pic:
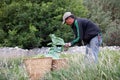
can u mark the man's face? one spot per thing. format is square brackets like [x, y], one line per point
[69, 21]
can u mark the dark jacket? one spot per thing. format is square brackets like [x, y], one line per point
[84, 30]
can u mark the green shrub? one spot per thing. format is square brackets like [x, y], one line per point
[97, 14]
[46, 16]
[113, 6]
[106, 14]
[112, 35]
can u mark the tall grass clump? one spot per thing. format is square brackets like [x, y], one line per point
[108, 68]
[12, 69]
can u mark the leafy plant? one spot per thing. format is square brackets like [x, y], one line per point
[54, 50]
[56, 40]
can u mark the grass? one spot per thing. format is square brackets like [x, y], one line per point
[12, 69]
[108, 68]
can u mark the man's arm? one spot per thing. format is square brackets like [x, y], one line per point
[78, 34]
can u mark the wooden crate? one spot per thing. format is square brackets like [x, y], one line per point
[38, 67]
[58, 64]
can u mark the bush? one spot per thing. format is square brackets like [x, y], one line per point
[112, 35]
[46, 16]
[97, 14]
[106, 14]
[113, 6]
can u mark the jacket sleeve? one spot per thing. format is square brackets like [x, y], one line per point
[78, 34]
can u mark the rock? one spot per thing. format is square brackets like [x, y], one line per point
[18, 52]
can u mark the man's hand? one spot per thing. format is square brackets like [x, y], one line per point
[67, 45]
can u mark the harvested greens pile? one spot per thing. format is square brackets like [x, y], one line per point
[57, 46]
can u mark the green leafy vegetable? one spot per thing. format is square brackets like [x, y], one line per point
[54, 50]
[56, 40]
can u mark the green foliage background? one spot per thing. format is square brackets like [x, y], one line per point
[28, 23]
[106, 14]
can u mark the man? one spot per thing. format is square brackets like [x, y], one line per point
[86, 33]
